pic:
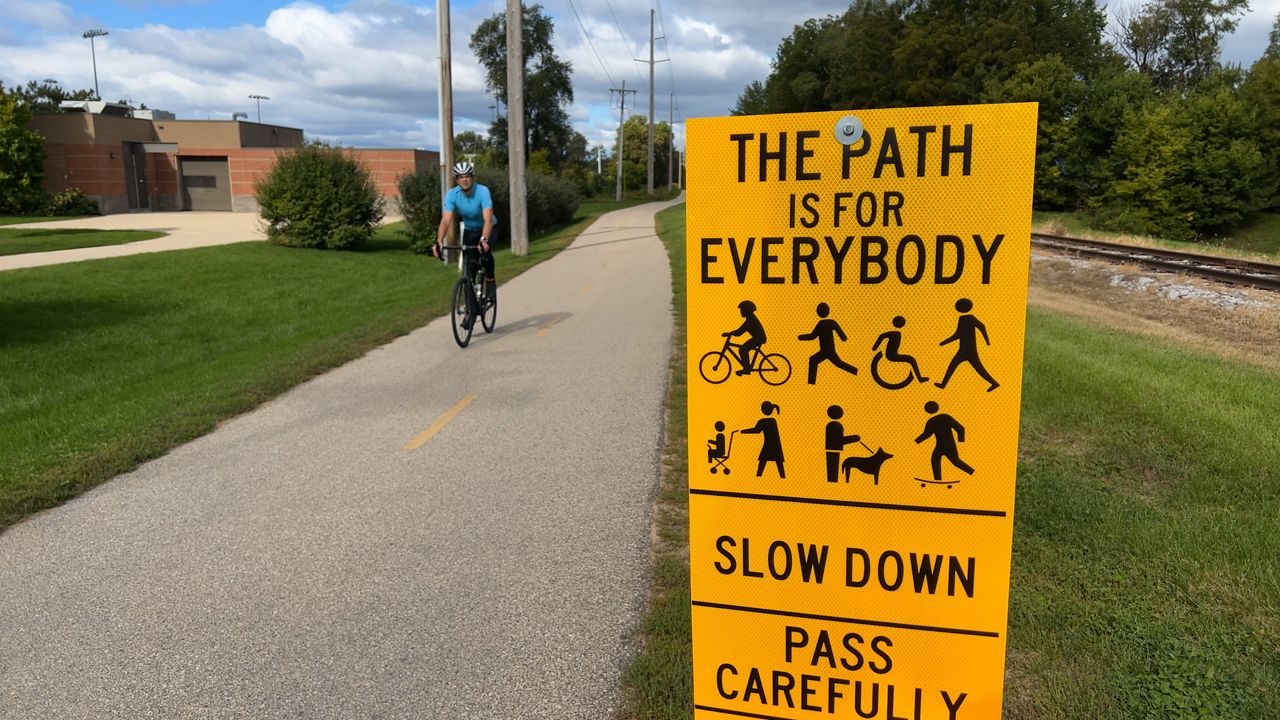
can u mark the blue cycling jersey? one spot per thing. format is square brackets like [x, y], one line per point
[470, 208]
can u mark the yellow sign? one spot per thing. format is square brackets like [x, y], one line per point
[857, 289]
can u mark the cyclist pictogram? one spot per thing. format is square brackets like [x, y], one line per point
[716, 366]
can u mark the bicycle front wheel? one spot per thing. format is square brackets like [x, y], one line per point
[774, 369]
[461, 315]
[489, 315]
[714, 367]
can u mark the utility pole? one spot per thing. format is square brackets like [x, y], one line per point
[651, 65]
[445, 96]
[671, 136]
[622, 105]
[515, 127]
[258, 99]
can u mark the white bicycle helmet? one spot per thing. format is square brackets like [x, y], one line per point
[463, 168]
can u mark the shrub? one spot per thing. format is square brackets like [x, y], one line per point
[319, 197]
[71, 202]
[420, 205]
[551, 202]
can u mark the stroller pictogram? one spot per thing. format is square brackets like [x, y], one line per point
[718, 451]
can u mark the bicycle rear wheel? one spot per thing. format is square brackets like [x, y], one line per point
[489, 307]
[714, 367]
[460, 317]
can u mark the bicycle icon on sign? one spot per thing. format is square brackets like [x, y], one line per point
[716, 366]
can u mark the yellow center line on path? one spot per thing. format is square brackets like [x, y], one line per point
[439, 424]
[543, 330]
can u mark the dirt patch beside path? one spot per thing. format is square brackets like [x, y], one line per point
[1233, 322]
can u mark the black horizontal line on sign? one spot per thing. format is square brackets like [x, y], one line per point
[850, 503]
[850, 621]
[739, 713]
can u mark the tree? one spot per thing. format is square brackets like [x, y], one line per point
[752, 101]
[1177, 42]
[548, 85]
[45, 96]
[635, 147]
[891, 53]
[21, 157]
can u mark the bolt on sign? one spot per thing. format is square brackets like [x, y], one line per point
[857, 288]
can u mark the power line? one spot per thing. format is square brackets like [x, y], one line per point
[623, 35]
[587, 36]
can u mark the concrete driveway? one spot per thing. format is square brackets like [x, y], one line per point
[184, 230]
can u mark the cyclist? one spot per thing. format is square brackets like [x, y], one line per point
[754, 331]
[473, 203]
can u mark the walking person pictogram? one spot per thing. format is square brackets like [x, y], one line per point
[771, 448]
[892, 341]
[966, 339]
[946, 432]
[825, 332]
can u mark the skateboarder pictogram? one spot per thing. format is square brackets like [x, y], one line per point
[966, 338]
[946, 432]
[825, 332]
[892, 341]
[835, 440]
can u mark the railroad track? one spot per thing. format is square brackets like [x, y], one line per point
[1229, 270]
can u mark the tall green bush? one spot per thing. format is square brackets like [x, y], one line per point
[420, 205]
[319, 197]
[21, 158]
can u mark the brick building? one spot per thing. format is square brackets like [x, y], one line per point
[130, 163]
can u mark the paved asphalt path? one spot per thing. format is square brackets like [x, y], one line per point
[301, 562]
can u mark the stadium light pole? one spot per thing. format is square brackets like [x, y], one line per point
[91, 34]
[258, 99]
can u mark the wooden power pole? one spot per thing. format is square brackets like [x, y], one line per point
[515, 128]
[622, 106]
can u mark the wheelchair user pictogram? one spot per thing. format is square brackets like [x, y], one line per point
[891, 340]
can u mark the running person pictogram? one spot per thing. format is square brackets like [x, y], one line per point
[825, 332]
[966, 339]
[946, 432]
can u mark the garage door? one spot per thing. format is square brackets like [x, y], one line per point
[206, 184]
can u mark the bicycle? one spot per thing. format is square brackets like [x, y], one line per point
[716, 366]
[470, 300]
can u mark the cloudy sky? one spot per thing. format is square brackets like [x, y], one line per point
[365, 73]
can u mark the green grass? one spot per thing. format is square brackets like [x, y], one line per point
[14, 241]
[658, 684]
[20, 219]
[108, 363]
[1260, 237]
[1146, 565]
